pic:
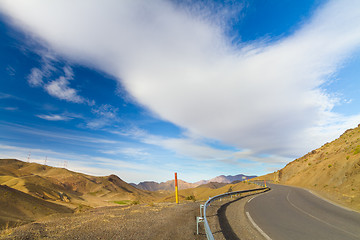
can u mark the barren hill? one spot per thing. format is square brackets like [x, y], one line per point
[60, 184]
[46, 190]
[332, 170]
[18, 207]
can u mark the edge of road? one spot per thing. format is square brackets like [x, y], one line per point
[257, 227]
[249, 218]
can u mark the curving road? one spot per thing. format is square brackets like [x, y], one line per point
[290, 213]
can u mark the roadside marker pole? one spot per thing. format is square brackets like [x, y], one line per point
[176, 189]
[264, 183]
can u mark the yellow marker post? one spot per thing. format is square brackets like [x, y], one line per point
[264, 183]
[176, 189]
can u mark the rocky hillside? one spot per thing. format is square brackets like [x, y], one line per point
[332, 170]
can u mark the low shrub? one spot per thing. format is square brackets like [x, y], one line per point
[191, 197]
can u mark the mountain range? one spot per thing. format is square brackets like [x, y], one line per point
[170, 185]
[29, 191]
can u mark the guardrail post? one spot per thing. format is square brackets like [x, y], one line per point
[198, 220]
[201, 210]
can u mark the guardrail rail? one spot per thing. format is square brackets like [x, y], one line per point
[203, 207]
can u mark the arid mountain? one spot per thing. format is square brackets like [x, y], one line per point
[29, 191]
[164, 186]
[170, 185]
[213, 185]
[18, 207]
[332, 170]
[229, 178]
[204, 192]
[59, 184]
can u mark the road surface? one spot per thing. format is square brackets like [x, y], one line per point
[290, 213]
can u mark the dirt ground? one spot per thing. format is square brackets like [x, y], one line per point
[155, 221]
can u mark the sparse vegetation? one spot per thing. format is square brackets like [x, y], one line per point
[7, 229]
[357, 150]
[123, 202]
[191, 197]
[347, 157]
[127, 202]
[82, 208]
[230, 189]
[330, 165]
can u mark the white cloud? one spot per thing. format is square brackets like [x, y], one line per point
[134, 153]
[54, 117]
[106, 111]
[6, 96]
[192, 147]
[106, 115]
[75, 137]
[35, 78]
[60, 88]
[188, 148]
[11, 108]
[263, 97]
[98, 166]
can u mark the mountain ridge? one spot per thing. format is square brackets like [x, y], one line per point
[170, 184]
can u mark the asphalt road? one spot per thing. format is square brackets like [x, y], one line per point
[289, 213]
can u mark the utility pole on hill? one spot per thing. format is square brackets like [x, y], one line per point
[28, 158]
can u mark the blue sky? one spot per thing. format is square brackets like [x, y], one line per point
[202, 88]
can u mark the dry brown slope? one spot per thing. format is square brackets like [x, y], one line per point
[332, 170]
[17, 207]
[203, 192]
[57, 184]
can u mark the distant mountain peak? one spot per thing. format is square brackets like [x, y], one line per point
[169, 185]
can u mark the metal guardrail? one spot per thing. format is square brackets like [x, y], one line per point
[203, 219]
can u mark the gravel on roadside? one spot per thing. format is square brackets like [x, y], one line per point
[154, 221]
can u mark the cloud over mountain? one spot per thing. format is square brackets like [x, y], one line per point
[179, 64]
